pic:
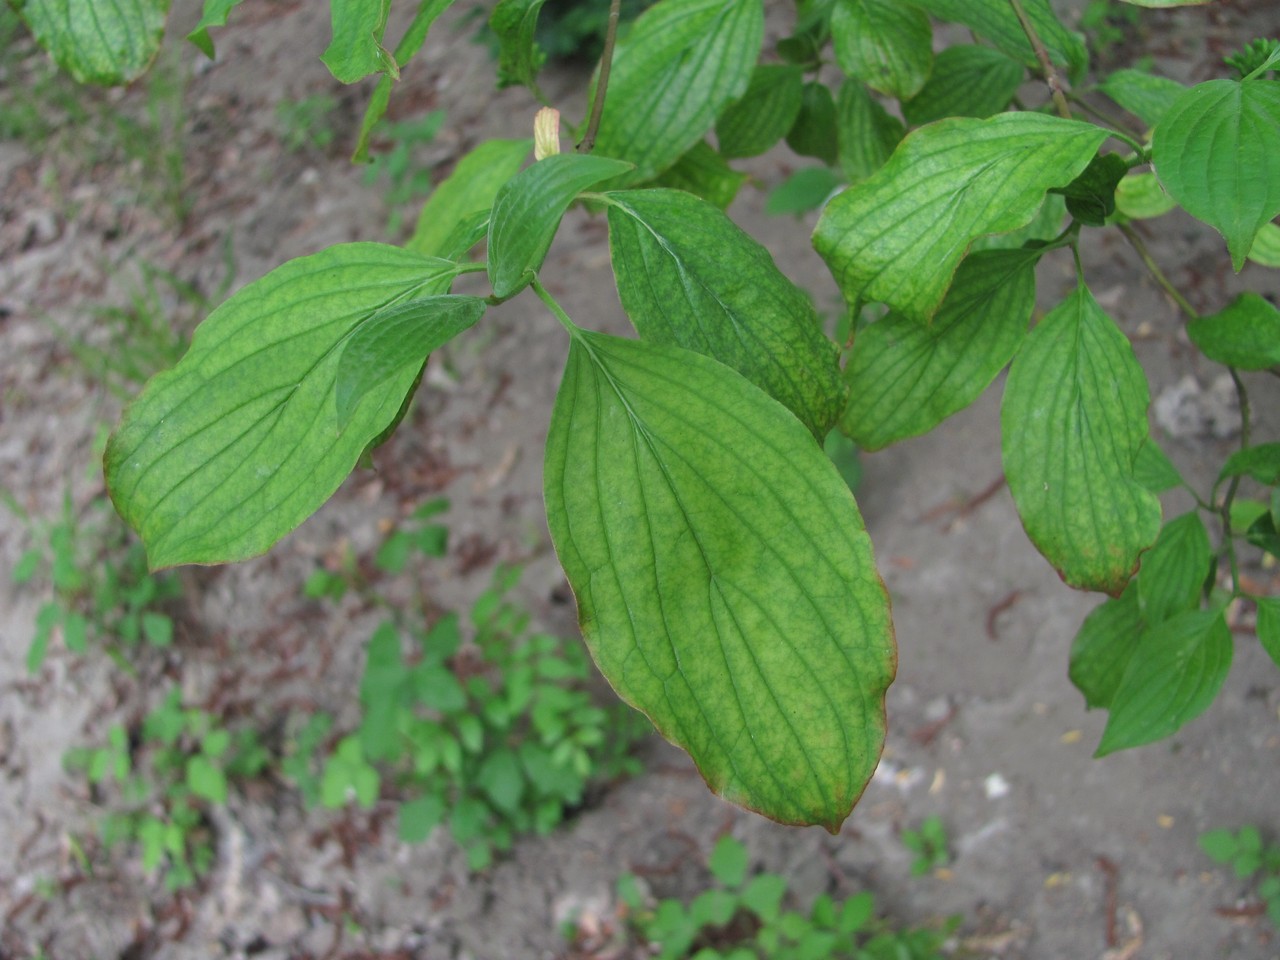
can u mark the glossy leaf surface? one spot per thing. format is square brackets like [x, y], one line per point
[1103, 646]
[966, 81]
[224, 454]
[1073, 419]
[1175, 569]
[1217, 152]
[907, 377]
[724, 579]
[527, 212]
[1175, 672]
[688, 276]
[106, 42]
[886, 44]
[678, 66]
[898, 236]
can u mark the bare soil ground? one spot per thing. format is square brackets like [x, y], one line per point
[1055, 855]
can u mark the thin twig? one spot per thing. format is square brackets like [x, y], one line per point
[1140, 247]
[602, 84]
[1046, 65]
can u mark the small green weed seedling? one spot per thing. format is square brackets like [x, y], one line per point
[742, 918]
[1249, 856]
[101, 589]
[929, 844]
[307, 124]
[493, 738]
[181, 764]
[407, 178]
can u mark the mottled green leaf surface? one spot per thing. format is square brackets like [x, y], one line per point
[724, 579]
[1103, 646]
[704, 173]
[1174, 571]
[395, 338]
[814, 132]
[866, 133]
[224, 454]
[751, 125]
[1217, 151]
[886, 44]
[1073, 419]
[105, 42]
[906, 377]
[966, 81]
[898, 236]
[1245, 334]
[470, 189]
[687, 275]
[679, 65]
[1173, 675]
[527, 212]
[995, 20]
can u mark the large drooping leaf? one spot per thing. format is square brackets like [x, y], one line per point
[1175, 569]
[1217, 152]
[356, 49]
[996, 20]
[886, 44]
[469, 190]
[898, 236]
[1244, 334]
[752, 124]
[866, 133]
[527, 212]
[687, 275]
[395, 338]
[414, 37]
[725, 581]
[680, 63]
[1173, 675]
[1101, 649]
[221, 456]
[906, 377]
[514, 23]
[1147, 96]
[214, 14]
[106, 42]
[1073, 420]
[966, 81]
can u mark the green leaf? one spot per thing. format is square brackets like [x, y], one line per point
[501, 778]
[886, 44]
[705, 174]
[1091, 197]
[397, 340]
[1266, 246]
[527, 212]
[906, 377]
[1220, 845]
[514, 23]
[1140, 197]
[1073, 420]
[206, 780]
[725, 582]
[469, 190]
[688, 276]
[678, 66]
[763, 896]
[1263, 534]
[1246, 334]
[1269, 626]
[995, 20]
[1145, 95]
[1165, 4]
[1173, 571]
[806, 189]
[898, 236]
[749, 126]
[966, 81]
[1172, 677]
[814, 132]
[108, 42]
[1043, 227]
[711, 908]
[414, 37]
[1217, 152]
[157, 628]
[1103, 646]
[1154, 470]
[419, 817]
[224, 454]
[1262, 462]
[215, 14]
[356, 49]
[728, 861]
[866, 132]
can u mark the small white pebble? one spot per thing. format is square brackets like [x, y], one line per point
[996, 786]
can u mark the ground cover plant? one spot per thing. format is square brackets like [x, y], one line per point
[725, 582]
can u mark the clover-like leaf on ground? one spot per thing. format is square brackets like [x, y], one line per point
[724, 578]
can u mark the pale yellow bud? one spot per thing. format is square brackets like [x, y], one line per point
[546, 133]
